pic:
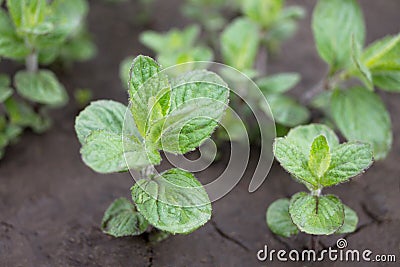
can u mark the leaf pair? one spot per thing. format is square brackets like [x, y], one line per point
[313, 155]
[317, 215]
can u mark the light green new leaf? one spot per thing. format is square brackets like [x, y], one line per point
[198, 102]
[263, 12]
[303, 136]
[334, 23]
[350, 221]
[279, 220]
[42, 87]
[314, 215]
[348, 160]
[149, 92]
[293, 160]
[122, 219]
[361, 116]
[239, 44]
[278, 83]
[320, 156]
[383, 59]
[287, 111]
[364, 73]
[100, 115]
[173, 201]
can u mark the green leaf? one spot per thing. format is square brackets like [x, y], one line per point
[5, 92]
[293, 160]
[364, 73]
[383, 59]
[149, 92]
[361, 116]
[348, 160]
[122, 219]
[100, 115]
[320, 156]
[278, 83]
[316, 215]
[11, 46]
[239, 44]
[198, 102]
[42, 87]
[5, 80]
[173, 201]
[79, 48]
[279, 220]
[69, 14]
[350, 221]
[334, 23]
[287, 111]
[197, 53]
[264, 12]
[304, 136]
[21, 114]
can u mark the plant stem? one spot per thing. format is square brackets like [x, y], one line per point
[147, 171]
[32, 64]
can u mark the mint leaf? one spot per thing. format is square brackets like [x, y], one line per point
[197, 106]
[361, 116]
[334, 23]
[257, 10]
[5, 92]
[279, 220]
[316, 215]
[278, 83]
[320, 156]
[287, 111]
[239, 44]
[350, 221]
[149, 93]
[303, 136]
[348, 160]
[100, 115]
[293, 160]
[382, 58]
[364, 73]
[122, 219]
[42, 87]
[173, 201]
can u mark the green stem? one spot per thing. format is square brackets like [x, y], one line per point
[32, 64]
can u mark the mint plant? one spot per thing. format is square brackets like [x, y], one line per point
[357, 111]
[313, 156]
[173, 114]
[38, 32]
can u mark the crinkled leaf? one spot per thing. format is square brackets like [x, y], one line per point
[239, 44]
[287, 111]
[361, 116]
[348, 160]
[149, 92]
[320, 156]
[173, 201]
[122, 219]
[278, 83]
[42, 87]
[314, 215]
[264, 12]
[334, 23]
[303, 136]
[198, 102]
[350, 221]
[279, 220]
[383, 59]
[293, 160]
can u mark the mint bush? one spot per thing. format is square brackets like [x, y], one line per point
[357, 111]
[173, 114]
[38, 32]
[314, 157]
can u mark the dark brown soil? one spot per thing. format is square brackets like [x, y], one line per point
[51, 204]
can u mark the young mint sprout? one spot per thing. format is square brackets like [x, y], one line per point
[313, 156]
